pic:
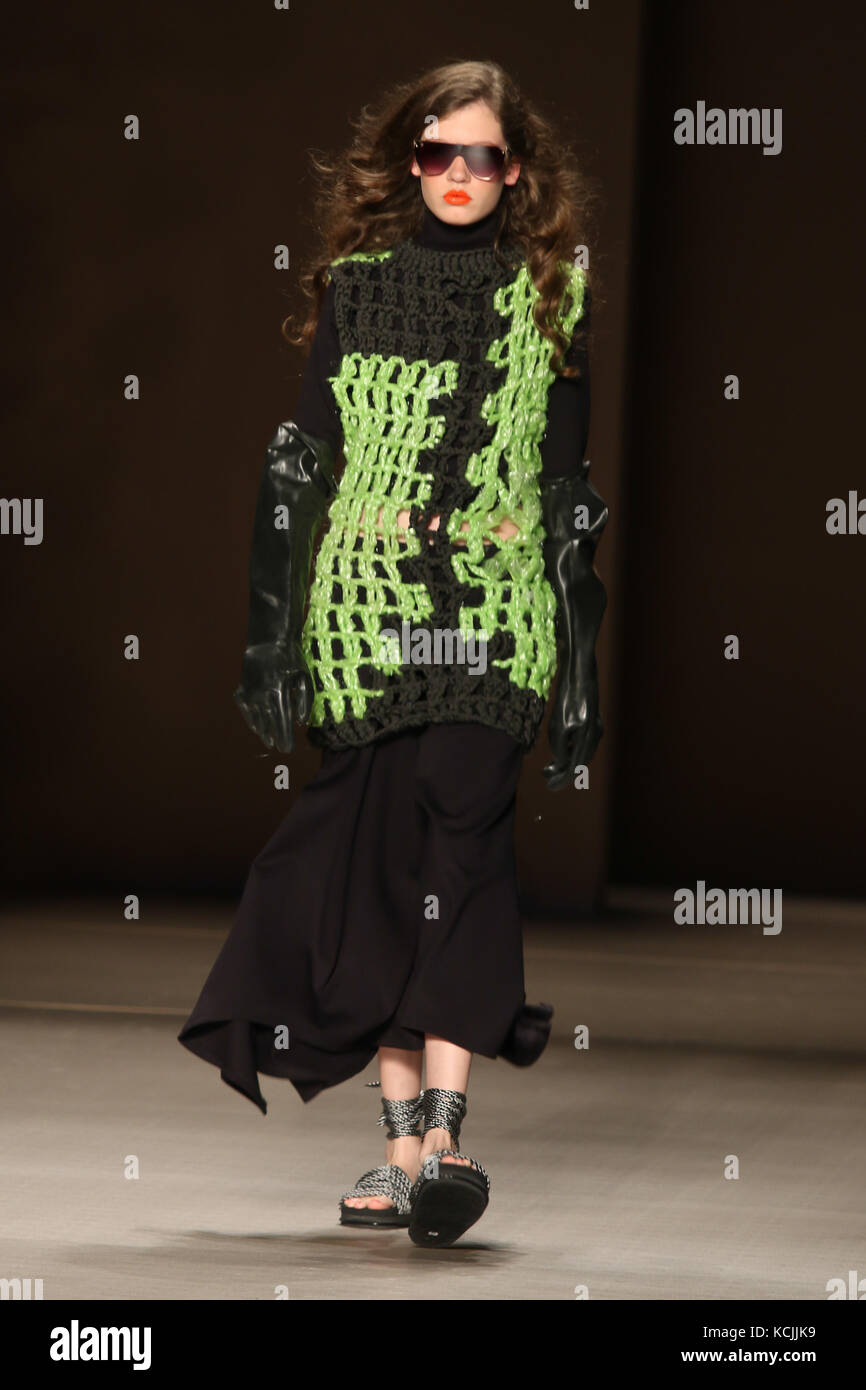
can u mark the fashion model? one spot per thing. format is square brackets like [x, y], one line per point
[449, 365]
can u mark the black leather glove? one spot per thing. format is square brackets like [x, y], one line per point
[528, 1036]
[575, 727]
[275, 681]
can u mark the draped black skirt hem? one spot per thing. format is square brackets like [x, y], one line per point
[243, 1049]
[384, 908]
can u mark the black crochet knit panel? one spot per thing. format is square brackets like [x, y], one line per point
[442, 391]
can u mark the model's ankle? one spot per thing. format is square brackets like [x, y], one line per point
[407, 1145]
[437, 1139]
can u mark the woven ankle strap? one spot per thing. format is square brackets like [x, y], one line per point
[444, 1110]
[400, 1116]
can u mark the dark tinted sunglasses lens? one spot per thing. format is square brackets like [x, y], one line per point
[484, 161]
[434, 158]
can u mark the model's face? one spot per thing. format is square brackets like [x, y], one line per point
[457, 196]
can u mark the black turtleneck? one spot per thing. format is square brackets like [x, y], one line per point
[448, 236]
[564, 442]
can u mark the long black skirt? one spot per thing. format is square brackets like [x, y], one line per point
[384, 907]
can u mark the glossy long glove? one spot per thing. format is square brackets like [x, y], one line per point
[275, 684]
[575, 726]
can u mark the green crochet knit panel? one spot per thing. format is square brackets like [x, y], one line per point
[518, 597]
[384, 405]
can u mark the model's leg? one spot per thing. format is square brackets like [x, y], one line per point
[400, 1074]
[447, 1068]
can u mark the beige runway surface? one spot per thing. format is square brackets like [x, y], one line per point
[709, 1048]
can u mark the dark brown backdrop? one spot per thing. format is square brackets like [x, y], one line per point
[747, 773]
[155, 258]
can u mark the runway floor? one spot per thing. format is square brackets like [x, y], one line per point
[607, 1163]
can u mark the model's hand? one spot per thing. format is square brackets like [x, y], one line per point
[575, 728]
[275, 688]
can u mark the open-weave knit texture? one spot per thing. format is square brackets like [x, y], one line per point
[442, 391]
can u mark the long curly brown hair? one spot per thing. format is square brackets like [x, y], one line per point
[369, 200]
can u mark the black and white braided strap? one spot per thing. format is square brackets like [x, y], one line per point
[388, 1180]
[444, 1109]
[402, 1117]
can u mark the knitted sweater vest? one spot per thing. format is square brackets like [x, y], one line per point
[442, 390]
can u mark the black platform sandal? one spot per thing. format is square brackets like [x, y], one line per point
[447, 1198]
[402, 1117]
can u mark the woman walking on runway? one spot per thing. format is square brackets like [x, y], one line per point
[448, 360]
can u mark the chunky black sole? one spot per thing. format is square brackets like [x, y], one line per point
[370, 1216]
[446, 1206]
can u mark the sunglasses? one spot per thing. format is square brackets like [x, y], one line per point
[483, 161]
